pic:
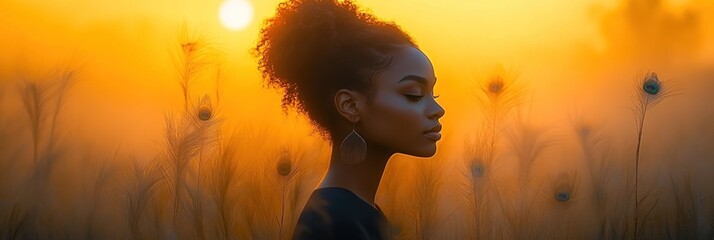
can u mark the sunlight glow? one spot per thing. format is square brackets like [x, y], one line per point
[236, 14]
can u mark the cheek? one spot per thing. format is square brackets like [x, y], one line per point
[394, 122]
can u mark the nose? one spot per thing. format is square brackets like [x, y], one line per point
[436, 111]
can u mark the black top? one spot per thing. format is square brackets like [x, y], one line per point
[337, 213]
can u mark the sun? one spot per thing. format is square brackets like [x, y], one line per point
[235, 14]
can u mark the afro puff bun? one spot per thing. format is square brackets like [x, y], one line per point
[312, 48]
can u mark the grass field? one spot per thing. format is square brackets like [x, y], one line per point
[114, 139]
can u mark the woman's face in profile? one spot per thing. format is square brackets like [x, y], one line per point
[404, 115]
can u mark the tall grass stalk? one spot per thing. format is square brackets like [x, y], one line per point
[219, 79]
[685, 221]
[289, 168]
[16, 225]
[598, 155]
[426, 198]
[500, 94]
[187, 135]
[185, 138]
[206, 114]
[42, 98]
[478, 170]
[649, 92]
[223, 168]
[195, 193]
[562, 192]
[224, 176]
[528, 143]
[195, 208]
[144, 180]
[100, 175]
[193, 55]
[33, 99]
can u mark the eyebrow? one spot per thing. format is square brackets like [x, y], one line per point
[419, 79]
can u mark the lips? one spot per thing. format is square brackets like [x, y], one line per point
[434, 133]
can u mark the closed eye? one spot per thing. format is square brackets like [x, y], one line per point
[414, 98]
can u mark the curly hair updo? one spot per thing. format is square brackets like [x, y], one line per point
[312, 48]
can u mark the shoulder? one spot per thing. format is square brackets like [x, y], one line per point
[336, 213]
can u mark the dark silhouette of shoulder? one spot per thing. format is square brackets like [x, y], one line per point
[337, 213]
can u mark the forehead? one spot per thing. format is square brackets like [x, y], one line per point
[407, 61]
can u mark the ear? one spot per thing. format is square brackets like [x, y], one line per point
[346, 102]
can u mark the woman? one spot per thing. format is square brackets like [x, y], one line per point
[367, 88]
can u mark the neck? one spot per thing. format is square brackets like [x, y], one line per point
[363, 178]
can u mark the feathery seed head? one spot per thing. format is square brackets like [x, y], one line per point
[204, 113]
[652, 84]
[496, 84]
[284, 165]
[650, 91]
[562, 196]
[584, 131]
[189, 47]
[205, 110]
[564, 186]
[477, 168]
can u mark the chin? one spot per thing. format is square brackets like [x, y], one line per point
[424, 152]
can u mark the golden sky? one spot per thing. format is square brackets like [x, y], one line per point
[569, 54]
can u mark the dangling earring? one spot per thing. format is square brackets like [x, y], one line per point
[353, 148]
